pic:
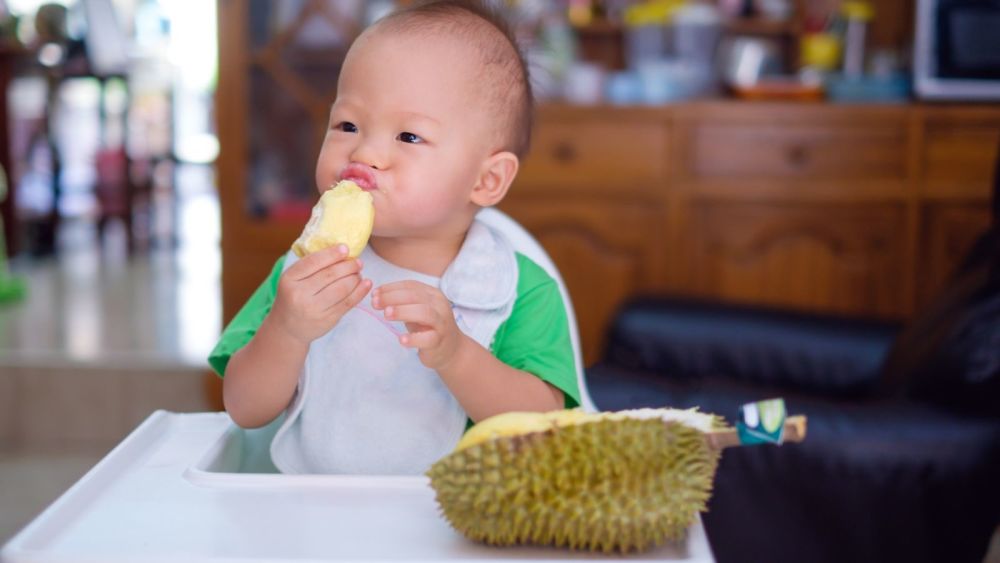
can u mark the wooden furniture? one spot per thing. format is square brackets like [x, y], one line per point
[857, 210]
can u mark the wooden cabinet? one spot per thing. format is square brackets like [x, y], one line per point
[959, 153]
[947, 232]
[853, 210]
[958, 158]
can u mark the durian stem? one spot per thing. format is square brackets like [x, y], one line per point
[795, 431]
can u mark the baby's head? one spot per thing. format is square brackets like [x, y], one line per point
[484, 38]
[433, 111]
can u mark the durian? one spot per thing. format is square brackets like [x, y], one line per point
[344, 214]
[622, 481]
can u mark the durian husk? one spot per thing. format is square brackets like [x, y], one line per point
[608, 482]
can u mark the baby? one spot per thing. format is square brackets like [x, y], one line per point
[380, 363]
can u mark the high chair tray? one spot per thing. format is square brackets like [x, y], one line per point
[169, 492]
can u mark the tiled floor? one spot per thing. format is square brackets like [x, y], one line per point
[100, 342]
[99, 308]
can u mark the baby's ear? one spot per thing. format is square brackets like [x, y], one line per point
[495, 177]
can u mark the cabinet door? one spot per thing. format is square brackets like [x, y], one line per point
[846, 259]
[949, 231]
[605, 252]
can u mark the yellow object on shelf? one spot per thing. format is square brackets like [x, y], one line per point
[652, 12]
[580, 13]
[821, 51]
[857, 10]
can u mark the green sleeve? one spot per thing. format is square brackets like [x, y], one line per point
[245, 324]
[536, 338]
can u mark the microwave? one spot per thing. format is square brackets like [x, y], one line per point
[957, 50]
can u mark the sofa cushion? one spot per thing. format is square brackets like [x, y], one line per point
[875, 480]
[688, 339]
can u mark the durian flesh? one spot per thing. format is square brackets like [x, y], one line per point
[605, 482]
[345, 215]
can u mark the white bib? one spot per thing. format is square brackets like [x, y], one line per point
[364, 403]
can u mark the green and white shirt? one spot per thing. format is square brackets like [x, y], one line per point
[366, 405]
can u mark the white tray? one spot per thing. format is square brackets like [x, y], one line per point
[168, 493]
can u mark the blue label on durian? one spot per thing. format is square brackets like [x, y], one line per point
[762, 422]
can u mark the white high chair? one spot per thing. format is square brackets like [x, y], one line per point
[526, 244]
[195, 488]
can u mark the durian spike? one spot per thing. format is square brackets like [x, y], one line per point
[795, 431]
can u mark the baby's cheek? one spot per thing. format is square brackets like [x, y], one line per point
[428, 207]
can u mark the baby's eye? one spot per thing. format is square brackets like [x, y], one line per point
[411, 138]
[346, 127]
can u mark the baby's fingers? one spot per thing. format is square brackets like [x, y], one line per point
[309, 265]
[424, 339]
[417, 313]
[332, 274]
[335, 292]
[387, 296]
[357, 294]
[344, 294]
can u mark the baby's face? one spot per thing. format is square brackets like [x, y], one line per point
[409, 126]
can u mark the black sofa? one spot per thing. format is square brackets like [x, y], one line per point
[902, 457]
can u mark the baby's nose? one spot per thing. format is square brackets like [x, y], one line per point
[369, 154]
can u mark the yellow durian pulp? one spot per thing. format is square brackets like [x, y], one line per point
[607, 482]
[344, 214]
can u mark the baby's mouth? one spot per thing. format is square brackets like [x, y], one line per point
[360, 176]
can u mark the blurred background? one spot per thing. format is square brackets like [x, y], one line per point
[109, 275]
[828, 158]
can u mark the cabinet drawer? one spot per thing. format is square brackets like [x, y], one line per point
[596, 155]
[747, 151]
[959, 160]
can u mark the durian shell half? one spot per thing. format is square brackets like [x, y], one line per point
[609, 484]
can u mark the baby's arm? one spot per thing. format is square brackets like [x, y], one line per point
[483, 385]
[312, 296]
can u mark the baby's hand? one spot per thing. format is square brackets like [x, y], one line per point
[315, 292]
[428, 317]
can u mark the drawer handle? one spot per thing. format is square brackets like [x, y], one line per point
[564, 152]
[798, 156]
